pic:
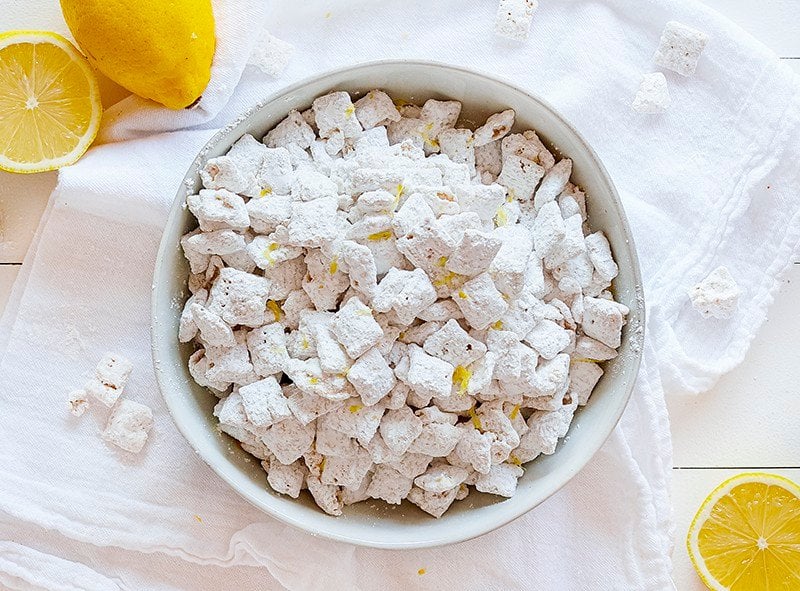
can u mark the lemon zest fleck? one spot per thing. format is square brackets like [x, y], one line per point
[333, 267]
[399, 192]
[313, 381]
[498, 325]
[354, 408]
[275, 308]
[476, 420]
[584, 360]
[462, 294]
[514, 412]
[461, 377]
[446, 279]
[427, 138]
[421, 571]
[266, 191]
[348, 112]
[378, 236]
[512, 459]
[431, 142]
[269, 250]
[322, 464]
[198, 519]
[501, 218]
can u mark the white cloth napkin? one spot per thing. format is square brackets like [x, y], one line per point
[712, 181]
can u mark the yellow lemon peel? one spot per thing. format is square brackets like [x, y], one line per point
[275, 308]
[461, 377]
[378, 236]
[476, 420]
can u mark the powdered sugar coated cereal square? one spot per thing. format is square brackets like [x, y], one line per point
[513, 19]
[680, 47]
[653, 94]
[129, 425]
[716, 296]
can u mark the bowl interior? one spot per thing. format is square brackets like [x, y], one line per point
[375, 523]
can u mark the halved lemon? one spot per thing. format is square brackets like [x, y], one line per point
[746, 535]
[49, 102]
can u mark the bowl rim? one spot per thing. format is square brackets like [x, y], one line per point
[636, 338]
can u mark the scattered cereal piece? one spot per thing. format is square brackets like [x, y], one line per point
[653, 94]
[270, 54]
[78, 402]
[110, 377]
[128, 425]
[716, 296]
[679, 48]
[514, 18]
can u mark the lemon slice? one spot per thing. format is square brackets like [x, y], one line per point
[49, 102]
[746, 535]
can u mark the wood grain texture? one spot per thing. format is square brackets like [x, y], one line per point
[8, 273]
[23, 198]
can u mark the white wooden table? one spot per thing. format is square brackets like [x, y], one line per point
[747, 422]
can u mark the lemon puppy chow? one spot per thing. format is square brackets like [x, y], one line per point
[392, 306]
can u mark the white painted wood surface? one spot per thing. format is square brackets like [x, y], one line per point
[747, 422]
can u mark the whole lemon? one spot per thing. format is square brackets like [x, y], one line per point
[161, 50]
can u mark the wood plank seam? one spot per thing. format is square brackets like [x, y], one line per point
[736, 467]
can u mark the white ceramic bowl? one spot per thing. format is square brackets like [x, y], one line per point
[374, 523]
